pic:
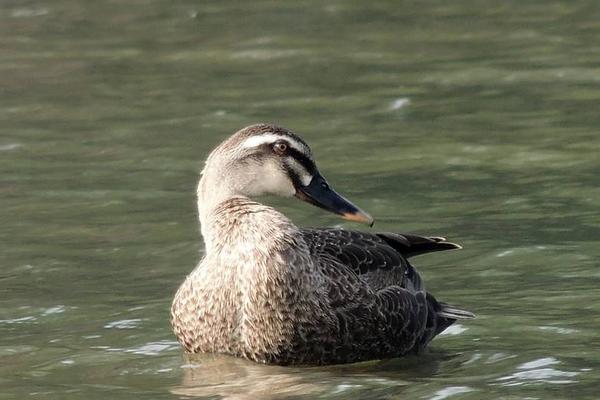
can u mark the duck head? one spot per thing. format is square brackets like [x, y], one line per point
[267, 159]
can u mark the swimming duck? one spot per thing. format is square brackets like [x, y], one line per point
[269, 291]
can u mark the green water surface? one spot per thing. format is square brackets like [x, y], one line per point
[475, 120]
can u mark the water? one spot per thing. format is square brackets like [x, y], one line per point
[473, 120]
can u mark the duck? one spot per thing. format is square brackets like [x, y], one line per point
[271, 292]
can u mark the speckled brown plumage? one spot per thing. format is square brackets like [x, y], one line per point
[274, 293]
[271, 292]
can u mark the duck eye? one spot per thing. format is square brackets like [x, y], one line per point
[280, 147]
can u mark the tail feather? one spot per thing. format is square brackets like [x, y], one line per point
[439, 317]
[453, 312]
[414, 245]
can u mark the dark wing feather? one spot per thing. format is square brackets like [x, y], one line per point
[378, 298]
[372, 324]
[413, 245]
[405, 317]
[380, 258]
[360, 251]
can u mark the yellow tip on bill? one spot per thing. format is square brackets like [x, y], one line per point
[359, 216]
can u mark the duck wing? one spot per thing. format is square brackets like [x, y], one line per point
[379, 258]
[372, 324]
[378, 297]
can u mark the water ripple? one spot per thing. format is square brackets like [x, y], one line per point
[123, 324]
[557, 329]
[538, 371]
[451, 391]
[541, 362]
[10, 146]
[399, 103]
[154, 348]
[148, 349]
[29, 12]
[20, 320]
[455, 329]
[54, 310]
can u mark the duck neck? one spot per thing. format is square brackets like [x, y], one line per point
[212, 191]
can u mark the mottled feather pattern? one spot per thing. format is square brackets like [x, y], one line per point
[273, 293]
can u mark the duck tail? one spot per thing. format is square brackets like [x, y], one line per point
[453, 312]
[445, 314]
[414, 245]
[439, 317]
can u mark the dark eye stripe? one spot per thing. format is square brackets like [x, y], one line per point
[293, 176]
[306, 162]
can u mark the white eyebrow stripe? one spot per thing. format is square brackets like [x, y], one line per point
[255, 141]
[305, 177]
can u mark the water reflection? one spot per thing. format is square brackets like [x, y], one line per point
[233, 378]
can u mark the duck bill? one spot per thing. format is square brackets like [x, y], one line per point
[319, 193]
